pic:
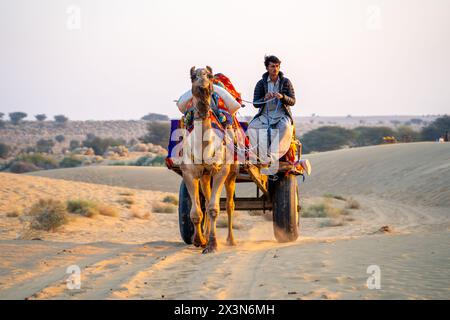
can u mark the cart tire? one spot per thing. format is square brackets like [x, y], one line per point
[184, 214]
[286, 209]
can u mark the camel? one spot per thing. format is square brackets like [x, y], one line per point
[208, 175]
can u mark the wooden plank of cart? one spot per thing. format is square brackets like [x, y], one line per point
[276, 192]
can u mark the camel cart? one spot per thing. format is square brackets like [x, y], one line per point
[277, 193]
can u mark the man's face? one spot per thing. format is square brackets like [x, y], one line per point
[274, 69]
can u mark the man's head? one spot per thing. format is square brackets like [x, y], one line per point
[272, 64]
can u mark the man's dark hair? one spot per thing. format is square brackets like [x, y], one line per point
[269, 59]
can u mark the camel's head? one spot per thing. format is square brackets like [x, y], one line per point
[202, 89]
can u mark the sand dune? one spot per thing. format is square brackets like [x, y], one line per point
[403, 186]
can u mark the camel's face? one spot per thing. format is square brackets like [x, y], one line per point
[202, 88]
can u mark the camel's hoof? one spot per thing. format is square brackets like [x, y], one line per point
[210, 249]
[231, 242]
[199, 242]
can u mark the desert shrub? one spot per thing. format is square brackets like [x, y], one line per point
[149, 161]
[45, 145]
[171, 199]
[16, 117]
[4, 150]
[100, 145]
[331, 223]
[13, 214]
[83, 207]
[136, 213]
[407, 134]
[353, 204]
[40, 160]
[368, 136]
[334, 196]
[70, 162]
[323, 210]
[22, 167]
[164, 208]
[127, 202]
[108, 211]
[48, 214]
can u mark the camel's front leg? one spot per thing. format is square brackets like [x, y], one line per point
[230, 187]
[192, 184]
[205, 184]
[214, 206]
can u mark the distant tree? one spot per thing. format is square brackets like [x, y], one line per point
[368, 136]
[155, 117]
[1, 115]
[16, 117]
[61, 119]
[416, 121]
[4, 150]
[436, 129]
[45, 146]
[407, 134]
[158, 133]
[74, 144]
[40, 117]
[395, 122]
[326, 138]
[60, 138]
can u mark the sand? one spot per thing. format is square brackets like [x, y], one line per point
[404, 186]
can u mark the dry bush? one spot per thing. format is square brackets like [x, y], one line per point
[136, 213]
[331, 223]
[83, 207]
[171, 199]
[109, 211]
[48, 215]
[353, 204]
[164, 208]
[127, 202]
[334, 196]
[323, 210]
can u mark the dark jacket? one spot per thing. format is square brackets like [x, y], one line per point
[286, 89]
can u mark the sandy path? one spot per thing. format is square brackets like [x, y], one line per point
[403, 186]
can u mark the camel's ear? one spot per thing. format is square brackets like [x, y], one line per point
[209, 69]
[193, 73]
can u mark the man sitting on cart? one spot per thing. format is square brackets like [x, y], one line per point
[273, 125]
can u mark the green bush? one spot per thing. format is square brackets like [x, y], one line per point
[4, 150]
[45, 145]
[326, 138]
[40, 160]
[83, 207]
[48, 214]
[164, 208]
[436, 129]
[70, 162]
[22, 167]
[171, 199]
[100, 145]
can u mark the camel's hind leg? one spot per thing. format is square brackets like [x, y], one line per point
[230, 187]
[192, 184]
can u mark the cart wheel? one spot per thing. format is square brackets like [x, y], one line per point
[184, 218]
[286, 208]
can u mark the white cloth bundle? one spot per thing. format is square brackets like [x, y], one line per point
[228, 99]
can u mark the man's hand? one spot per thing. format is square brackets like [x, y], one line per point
[278, 95]
[268, 96]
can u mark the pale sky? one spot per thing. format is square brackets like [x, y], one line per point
[121, 59]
